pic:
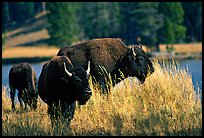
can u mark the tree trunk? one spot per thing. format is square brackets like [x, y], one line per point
[44, 7]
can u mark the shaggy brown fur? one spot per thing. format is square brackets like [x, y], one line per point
[23, 78]
[60, 90]
[104, 52]
[112, 54]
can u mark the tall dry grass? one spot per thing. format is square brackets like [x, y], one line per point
[166, 104]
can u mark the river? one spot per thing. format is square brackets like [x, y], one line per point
[194, 69]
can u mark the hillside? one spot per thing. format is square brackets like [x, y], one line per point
[33, 37]
[28, 42]
[32, 33]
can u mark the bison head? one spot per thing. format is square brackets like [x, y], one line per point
[136, 63]
[32, 98]
[32, 102]
[79, 80]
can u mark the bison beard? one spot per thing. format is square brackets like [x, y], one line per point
[112, 55]
[60, 85]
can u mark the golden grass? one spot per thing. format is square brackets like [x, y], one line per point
[183, 48]
[166, 104]
[41, 51]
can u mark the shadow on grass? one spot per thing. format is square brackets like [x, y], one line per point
[18, 130]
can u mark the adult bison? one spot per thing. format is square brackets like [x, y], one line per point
[60, 85]
[113, 55]
[23, 78]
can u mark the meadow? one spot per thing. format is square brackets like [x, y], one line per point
[166, 104]
[31, 51]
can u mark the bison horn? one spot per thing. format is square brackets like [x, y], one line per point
[88, 69]
[133, 51]
[140, 45]
[68, 73]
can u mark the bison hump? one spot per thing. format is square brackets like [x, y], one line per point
[106, 52]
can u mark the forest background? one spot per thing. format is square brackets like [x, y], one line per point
[148, 23]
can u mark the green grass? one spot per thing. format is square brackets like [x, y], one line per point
[166, 104]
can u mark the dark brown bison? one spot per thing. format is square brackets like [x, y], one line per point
[23, 78]
[60, 85]
[112, 54]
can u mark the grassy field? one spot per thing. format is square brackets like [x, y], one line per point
[166, 104]
[40, 51]
[184, 48]
[30, 54]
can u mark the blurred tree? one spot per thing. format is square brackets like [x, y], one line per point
[127, 24]
[174, 17]
[62, 21]
[100, 19]
[38, 7]
[13, 13]
[149, 22]
[17, 13]
[193, 20]
[86, 13]
[115, 19]
[44, 7]
[25, 11]
[5, 16]
[169, 32]
[141, 21]
[105, 23]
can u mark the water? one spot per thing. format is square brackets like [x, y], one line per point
[5, 71]
[194, 69]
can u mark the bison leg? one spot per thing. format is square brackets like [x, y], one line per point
[12, 94]
[68, 113]
[20, 98]
[60, 113]
[53, 112]
[25, 98]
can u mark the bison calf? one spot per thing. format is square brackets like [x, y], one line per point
[23, 78]
[60, 85]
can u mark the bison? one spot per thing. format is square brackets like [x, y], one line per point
[23, 78]
[60, 85]
[113, 55]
